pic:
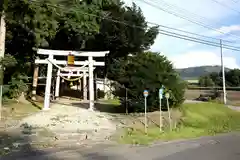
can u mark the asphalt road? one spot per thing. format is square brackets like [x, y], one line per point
[222, 147]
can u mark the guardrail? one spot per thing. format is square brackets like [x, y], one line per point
[212, 88]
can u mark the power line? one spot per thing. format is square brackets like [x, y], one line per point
[184, 17]
[192, 20]
[226, 6]
[167, 27]
[163, 32]
[188, 32]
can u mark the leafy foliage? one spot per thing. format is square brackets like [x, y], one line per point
[232, 79]
[16, 81]
[147, 71]
[206, 81]
[46, 24]
[123, 31]
[88, 25]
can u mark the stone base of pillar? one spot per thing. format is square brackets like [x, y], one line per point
[91, 109]
[34, 98]
[45, 109]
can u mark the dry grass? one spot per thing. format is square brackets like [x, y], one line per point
[15, 111]
[153, 119]
[197, 120]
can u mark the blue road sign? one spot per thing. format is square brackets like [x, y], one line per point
[161, 91]
[145, 93]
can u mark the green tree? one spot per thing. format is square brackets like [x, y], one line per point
[123, 31]
[206, 81]
[148, 71]
[29, 24]
[233, 78]
[216, 78]
[45, 24]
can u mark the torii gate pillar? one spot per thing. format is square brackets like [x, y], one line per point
[91, 83]
[50, 61]
[48, 84]
[84, 86]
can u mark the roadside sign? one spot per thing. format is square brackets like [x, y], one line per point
[167, 95]
[145, 93]
[161, 91]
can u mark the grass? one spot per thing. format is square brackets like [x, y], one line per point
[112, 101]
[198, 120]
[16, 111]
[110, 106]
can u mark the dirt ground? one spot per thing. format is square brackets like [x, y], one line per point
[69, 123]
[233, 97]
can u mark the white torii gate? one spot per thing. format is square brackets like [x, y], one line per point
[72, 74]
[50, 61]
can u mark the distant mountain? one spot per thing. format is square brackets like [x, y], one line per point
[195, 72]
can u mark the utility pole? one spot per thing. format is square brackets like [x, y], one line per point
[223, 74]
[2, 51]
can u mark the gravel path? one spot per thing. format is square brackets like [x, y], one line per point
[69, 123]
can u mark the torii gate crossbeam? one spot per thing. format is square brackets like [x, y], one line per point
[50, 61]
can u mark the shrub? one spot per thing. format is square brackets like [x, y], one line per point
[147, 71]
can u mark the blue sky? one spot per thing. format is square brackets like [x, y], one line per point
[224, 20]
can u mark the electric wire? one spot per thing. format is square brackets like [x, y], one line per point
[192, 20]
[161, 31]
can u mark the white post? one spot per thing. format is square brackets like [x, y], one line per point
[57, 85]
[91, 83]
[2, 52]
[105, 88]
[169, 115]
[84, 86]
[223, 75]
[48, 84]
[160, 113]
[145, 115]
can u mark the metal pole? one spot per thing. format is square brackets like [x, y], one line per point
[223, 75]
[160, 114]
[145, 118]
[169, 116]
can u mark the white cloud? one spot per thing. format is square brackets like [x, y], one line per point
[190, 44]
[226, 30]
[203, 54]
[232, 28]
[201, 58]
[201, 10]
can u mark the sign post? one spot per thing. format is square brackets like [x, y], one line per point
[145, 94]
[167, 95]
[160, 108]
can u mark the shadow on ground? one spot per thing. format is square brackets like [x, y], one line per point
[102, 107]
[14, 147]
